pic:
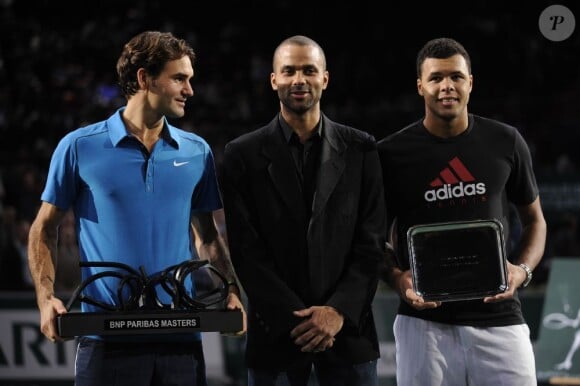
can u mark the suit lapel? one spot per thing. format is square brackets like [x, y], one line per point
[331, 166]
[283, 171]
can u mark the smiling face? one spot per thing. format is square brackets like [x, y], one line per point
[445, 84]
[168, 92]
[299, 77]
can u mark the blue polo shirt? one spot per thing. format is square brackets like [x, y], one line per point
[131, 206]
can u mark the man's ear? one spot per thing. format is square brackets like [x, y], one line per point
[470, 83]
[142, 78]
[326, 79]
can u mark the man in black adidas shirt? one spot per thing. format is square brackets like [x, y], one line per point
[455, 166]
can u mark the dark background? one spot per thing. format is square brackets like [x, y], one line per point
[57, 72]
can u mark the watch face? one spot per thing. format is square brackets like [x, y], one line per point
[458, 260]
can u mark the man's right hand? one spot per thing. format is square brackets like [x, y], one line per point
[404, 283]
[49, 310]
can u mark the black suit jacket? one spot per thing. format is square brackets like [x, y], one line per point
[286, 261]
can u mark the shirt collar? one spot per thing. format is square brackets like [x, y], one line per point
[118, 131]
[289, 132]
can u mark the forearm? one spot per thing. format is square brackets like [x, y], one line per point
[211, 246]
[393, 279]
[390, 272]
[532, 245]
[217, 254]
[41, 249]
[533, 239]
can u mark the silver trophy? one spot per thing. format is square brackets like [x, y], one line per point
[458, 260]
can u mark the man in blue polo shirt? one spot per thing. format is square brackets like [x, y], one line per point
[138, 186]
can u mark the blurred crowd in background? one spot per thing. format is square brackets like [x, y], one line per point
[57, 73]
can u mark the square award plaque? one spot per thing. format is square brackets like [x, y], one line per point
[458, 260]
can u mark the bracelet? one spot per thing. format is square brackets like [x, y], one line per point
[528, 275]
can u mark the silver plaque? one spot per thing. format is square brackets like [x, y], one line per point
[458, 260]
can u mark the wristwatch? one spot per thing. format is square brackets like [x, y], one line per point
[528, 273]
[236, 286]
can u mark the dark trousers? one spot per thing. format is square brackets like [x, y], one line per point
[327, 374]
[101, 363]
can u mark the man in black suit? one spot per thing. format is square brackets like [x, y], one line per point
[306, 225]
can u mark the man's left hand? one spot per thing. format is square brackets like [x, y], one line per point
[316, 333]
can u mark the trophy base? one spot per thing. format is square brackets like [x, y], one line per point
[148, 322]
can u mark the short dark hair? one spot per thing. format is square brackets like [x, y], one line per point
[441, 48]
[150, 50]
[301, 40]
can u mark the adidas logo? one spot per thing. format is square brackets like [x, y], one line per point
[455, 181]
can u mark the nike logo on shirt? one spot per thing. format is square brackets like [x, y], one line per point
[175, 163]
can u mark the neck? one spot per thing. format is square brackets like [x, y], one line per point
[144, 125]
[446, 128]
[304, 125]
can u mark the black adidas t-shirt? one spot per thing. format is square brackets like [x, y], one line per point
[483, 169]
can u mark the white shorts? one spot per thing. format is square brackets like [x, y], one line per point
[436, 354]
